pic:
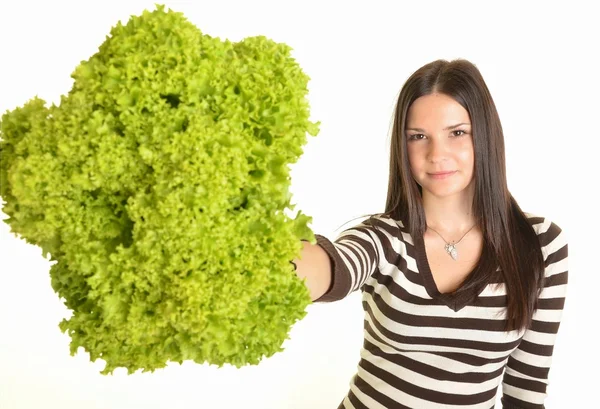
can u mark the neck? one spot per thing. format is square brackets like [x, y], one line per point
[451, 214]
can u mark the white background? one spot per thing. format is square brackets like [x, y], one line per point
[540, 61]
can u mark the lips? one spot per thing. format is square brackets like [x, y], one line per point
[442, 173]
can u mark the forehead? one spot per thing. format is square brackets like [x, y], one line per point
[436, 110]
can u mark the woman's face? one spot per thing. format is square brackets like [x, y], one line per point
[435, 144]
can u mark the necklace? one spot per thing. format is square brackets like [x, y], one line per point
[451, 247]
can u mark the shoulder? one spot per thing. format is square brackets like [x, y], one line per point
[380, 221]
[377, 220]
[551, 236]
[378, 226]
[543, 225]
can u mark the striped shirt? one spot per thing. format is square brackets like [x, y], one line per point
[427, 350]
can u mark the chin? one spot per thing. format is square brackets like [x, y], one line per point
[444, 191]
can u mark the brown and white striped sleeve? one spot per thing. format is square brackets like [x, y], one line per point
[354, 257]
[526, 375]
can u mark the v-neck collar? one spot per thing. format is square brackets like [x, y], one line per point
[456, 300]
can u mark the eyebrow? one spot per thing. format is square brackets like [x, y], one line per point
[445, 129]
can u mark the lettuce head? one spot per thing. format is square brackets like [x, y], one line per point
[159, 185]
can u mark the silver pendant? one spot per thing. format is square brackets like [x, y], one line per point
[450, 249]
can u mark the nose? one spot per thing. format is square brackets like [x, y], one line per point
[437, 151]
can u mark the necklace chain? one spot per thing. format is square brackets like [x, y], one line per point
[451, 247]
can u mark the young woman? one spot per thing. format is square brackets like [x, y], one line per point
[461, 289]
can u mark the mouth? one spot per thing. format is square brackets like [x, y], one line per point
[441, 175]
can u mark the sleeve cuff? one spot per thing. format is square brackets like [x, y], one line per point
[340, 281]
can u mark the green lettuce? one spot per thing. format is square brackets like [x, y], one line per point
[158, 184]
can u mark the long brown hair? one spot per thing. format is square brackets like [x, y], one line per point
[510, 241]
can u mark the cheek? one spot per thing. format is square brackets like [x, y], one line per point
[467, 154]
[468, 163]
[413, 157]
[466, 157]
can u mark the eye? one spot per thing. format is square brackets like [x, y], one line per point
[414, 137]
[459, 130]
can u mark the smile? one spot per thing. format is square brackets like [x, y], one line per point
[441, 175]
